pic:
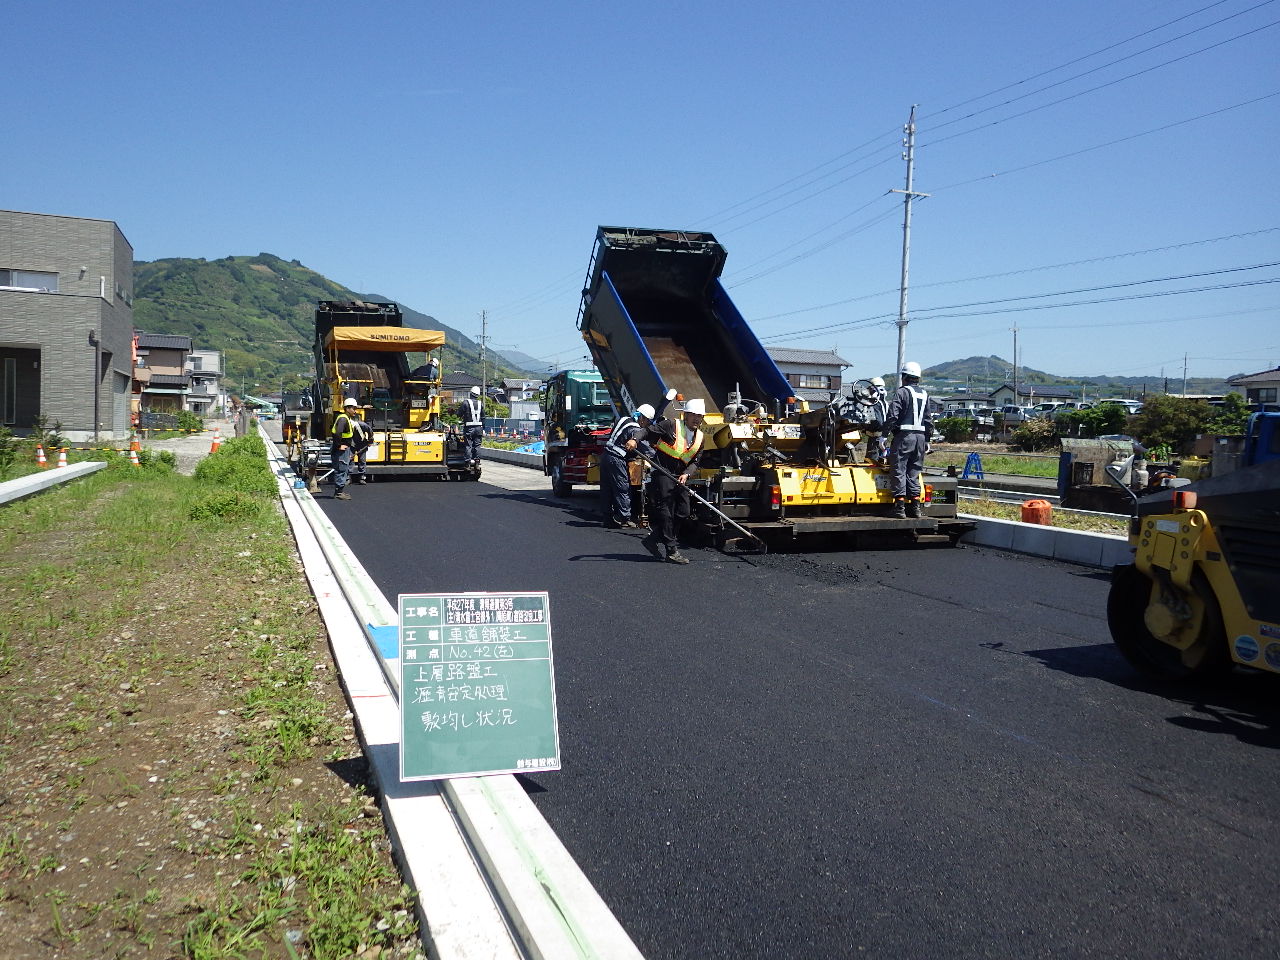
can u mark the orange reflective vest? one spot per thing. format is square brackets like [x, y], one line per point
[686, 444]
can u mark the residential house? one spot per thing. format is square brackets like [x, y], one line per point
[205, 369]
[1261, 387]
[1029, 394]
[814, 375]
[516, 390]
[66, 325]
[161, 380]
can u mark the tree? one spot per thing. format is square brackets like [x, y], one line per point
[1170, 420]
[1231, 419]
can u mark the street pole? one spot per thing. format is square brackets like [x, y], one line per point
[1015, 365]
[909, 194]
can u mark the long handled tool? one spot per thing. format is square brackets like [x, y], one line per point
[706, 503]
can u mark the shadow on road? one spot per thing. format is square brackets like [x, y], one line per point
[1241, 704]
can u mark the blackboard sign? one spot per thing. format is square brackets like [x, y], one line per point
[477, 686]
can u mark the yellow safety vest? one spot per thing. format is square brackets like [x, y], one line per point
[346, 429]
[686, 444]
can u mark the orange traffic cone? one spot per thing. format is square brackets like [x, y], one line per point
[133, 458]
[133, 442]
[217, 440]
[62, 457]
[41, 462]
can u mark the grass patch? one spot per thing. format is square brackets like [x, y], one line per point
[1060, 518]
[1007, 463]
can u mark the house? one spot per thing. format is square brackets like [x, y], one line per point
[814, 375]
[161, 380]
[1029, 394]
[1261, 387]
[516, 390]
[66, 325]
[205, 369]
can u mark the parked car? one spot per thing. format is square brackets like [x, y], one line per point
[1070, 406]
[1015, 414]
[1130, 406]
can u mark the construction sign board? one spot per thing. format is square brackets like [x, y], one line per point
[477, 685]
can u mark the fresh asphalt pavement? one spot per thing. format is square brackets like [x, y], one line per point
[896, 753]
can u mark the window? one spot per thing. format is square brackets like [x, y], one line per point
[29, 280]
[815, 381]
[1263, 394]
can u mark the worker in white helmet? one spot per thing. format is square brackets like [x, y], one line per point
[677, 445]
[471, 413]
[615, 479]
[908, 422]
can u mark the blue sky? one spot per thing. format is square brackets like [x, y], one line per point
[459, 157]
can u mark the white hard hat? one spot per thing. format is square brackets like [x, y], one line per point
[644, 410]
[475, 391]
[911, 369]
[696, 405]
[351, 402]
[877, 382]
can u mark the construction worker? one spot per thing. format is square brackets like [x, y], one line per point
[615, 479]
[361, 441]
[677, 445]
[341, 447]
[908, 421]
[471, 413]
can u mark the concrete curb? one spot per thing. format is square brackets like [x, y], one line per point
[493, 880]
[1055, 543]
[35, 483]
[533, 460]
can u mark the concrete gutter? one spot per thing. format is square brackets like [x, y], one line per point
[492, 878]
[34, 483]
[1055, 543]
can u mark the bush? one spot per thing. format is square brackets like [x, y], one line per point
[1095, 422]
[190, 420]
[8, 450]
[227, 505]
[239, 465]
[1035, 435]
[955, 429]
[1171, 420]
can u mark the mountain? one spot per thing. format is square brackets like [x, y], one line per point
[984, 374]
[259, 311]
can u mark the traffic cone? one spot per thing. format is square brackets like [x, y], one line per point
[217, 440]
[41, 462]
[62, 457]
[133, 442]
[133, 458]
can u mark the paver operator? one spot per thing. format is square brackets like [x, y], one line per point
[471, 413]
[908, 421]
[677, 445]
[341, 447]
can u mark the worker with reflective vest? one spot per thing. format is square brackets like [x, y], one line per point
[471, 413]
[341, 448]
[615, 480]
[677, 445]
[908, 421]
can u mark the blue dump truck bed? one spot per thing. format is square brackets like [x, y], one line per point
[655, 316]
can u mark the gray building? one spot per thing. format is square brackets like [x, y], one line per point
[814, 374]
[66, 325]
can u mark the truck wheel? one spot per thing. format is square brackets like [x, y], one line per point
[559, 486]
[1127, 603]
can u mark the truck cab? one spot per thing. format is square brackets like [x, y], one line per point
[578, 416]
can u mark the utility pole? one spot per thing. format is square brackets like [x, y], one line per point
[484, 361]
[909, 194]
[1184, 374]
[1015, 365]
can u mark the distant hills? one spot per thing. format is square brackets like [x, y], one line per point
[259, 311]
[984, 374]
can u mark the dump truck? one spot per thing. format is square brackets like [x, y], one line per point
[577, 417]
[656, 317]
[362, 353]
[1200, 594]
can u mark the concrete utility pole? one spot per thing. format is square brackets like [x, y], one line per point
[1015, 365]
[1184, 374]
[909, 194]
[484, 364]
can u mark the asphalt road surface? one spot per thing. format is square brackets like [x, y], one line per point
[894, 753]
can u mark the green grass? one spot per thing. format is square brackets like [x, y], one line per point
[1013, 464]
[1059, 518]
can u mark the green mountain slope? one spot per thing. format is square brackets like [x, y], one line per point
[259, 312]
[984, 374]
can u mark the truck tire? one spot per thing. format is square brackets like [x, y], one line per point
[559, 486]
[1126, 605]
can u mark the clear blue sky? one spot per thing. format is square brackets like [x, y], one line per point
[459, 157]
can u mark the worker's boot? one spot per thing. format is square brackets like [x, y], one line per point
[675, 556]
[913, 510]
[899, 509]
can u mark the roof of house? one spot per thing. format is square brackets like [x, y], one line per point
[459, 379]
[794, 355]
[521, 384]
[163, 341]
[1266, 376]
[169, 380]
[1027, 389]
